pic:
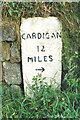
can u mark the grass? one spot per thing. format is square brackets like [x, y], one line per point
[44, 101]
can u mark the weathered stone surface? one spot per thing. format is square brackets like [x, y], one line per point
[12, 73]
[6, 51]
[1, 58]
[8, 31]
[15, 90]
[0, 71]
[41, 49]
[15, 54]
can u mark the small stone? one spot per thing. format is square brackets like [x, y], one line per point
[0, 71]
[15, 54]
[8, 31]
[12, 73]
[1, 58]
[6, 51]
[16, 90]
[15, 87]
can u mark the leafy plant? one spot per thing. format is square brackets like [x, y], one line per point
[46, 102]
[16, 8]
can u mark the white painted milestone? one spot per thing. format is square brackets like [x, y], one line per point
[41, 46]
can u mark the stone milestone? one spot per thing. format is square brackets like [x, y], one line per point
[41, 46]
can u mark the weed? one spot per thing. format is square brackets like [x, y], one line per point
[46, 102]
